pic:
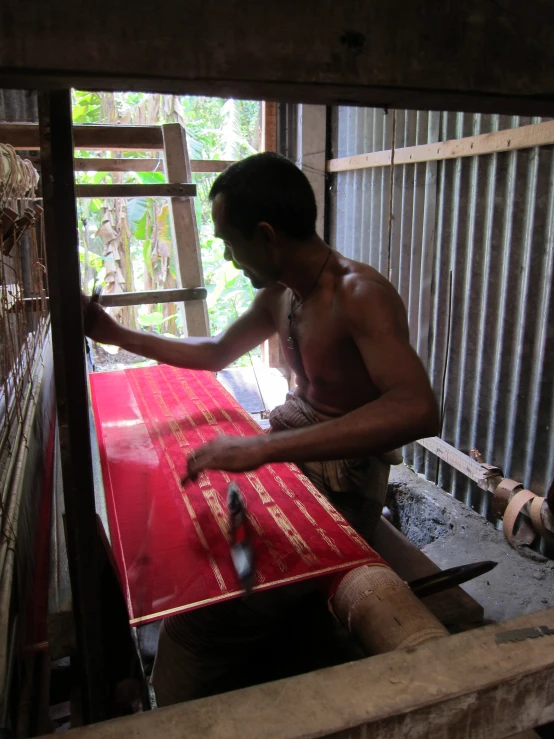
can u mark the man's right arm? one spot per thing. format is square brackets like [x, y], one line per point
[202, 353]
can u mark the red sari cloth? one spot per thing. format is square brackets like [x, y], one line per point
[171, 541]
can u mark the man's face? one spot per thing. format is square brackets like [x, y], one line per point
[255, 257]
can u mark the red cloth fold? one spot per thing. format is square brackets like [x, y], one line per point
[171, 542]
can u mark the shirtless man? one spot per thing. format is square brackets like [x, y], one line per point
[362, 390]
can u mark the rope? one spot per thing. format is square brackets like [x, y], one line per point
[18, 177]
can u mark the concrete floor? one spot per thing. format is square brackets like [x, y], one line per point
[451, 534]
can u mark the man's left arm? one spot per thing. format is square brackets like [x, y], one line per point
[405, 411]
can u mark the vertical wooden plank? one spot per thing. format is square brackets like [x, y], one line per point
[60, 222]
[272, 354]
[184, 228]
[269, 126]
[312, 126]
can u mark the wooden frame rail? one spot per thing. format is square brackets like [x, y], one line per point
[524, 137]
[485, 683]
[83, 164]
[125, 138]
[25, 136]
[168, 190]
[152, 297]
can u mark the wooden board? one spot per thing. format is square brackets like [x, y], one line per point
[152, 297]
[184, 228]
[487, 478]
[524, 137]
[494, 57]
[169, 190]
[126, 138]
[142, 165]
[461, 686]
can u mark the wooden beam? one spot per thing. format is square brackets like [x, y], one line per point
[487, 56]
[184, 228]
[62, 256]
[170, 190]
[524, 137]
[152, 297]
[467, 685]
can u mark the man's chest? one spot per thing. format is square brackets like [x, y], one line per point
[314, 339]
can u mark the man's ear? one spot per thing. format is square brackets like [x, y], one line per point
[267, 233]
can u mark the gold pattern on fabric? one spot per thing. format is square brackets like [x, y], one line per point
[294, 538]
[190, 508]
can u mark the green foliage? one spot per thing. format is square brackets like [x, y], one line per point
[216, 129]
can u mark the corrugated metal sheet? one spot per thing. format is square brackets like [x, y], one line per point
[471, 253]
[18, 106]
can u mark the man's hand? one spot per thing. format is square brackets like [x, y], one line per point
[229, 453]
[98, 325]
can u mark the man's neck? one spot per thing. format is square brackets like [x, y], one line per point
[304, 266]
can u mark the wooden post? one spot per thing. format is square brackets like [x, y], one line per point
[312, 131]
[60, 221]
[272, 354]
[184, 228]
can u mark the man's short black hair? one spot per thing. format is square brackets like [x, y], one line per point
[267, 187]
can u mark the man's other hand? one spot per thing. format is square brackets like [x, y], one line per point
[229, 453]
[98, 325]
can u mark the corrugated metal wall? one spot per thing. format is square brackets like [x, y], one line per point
[18, 106]
[471, 253]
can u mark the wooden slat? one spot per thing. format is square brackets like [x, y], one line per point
[144, 165]
[118, 165]
[170, 190]
[184, 228]
[152, 297]
[461, 686]
[212, 165]
[485, 478]
[537, 134]
[123, 138]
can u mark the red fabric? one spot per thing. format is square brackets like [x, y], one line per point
[171, 542]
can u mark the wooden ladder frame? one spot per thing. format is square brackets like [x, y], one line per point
[180, 190]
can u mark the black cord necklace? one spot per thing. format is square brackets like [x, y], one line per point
[291, 340]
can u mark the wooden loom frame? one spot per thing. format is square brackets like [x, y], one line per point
[482, 688]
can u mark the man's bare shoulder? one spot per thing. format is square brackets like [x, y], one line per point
[269, 297]
[365, 293]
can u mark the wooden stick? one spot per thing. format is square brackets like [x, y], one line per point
[151, 297]
[460, 686]
[171, 190]
[536, 134]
